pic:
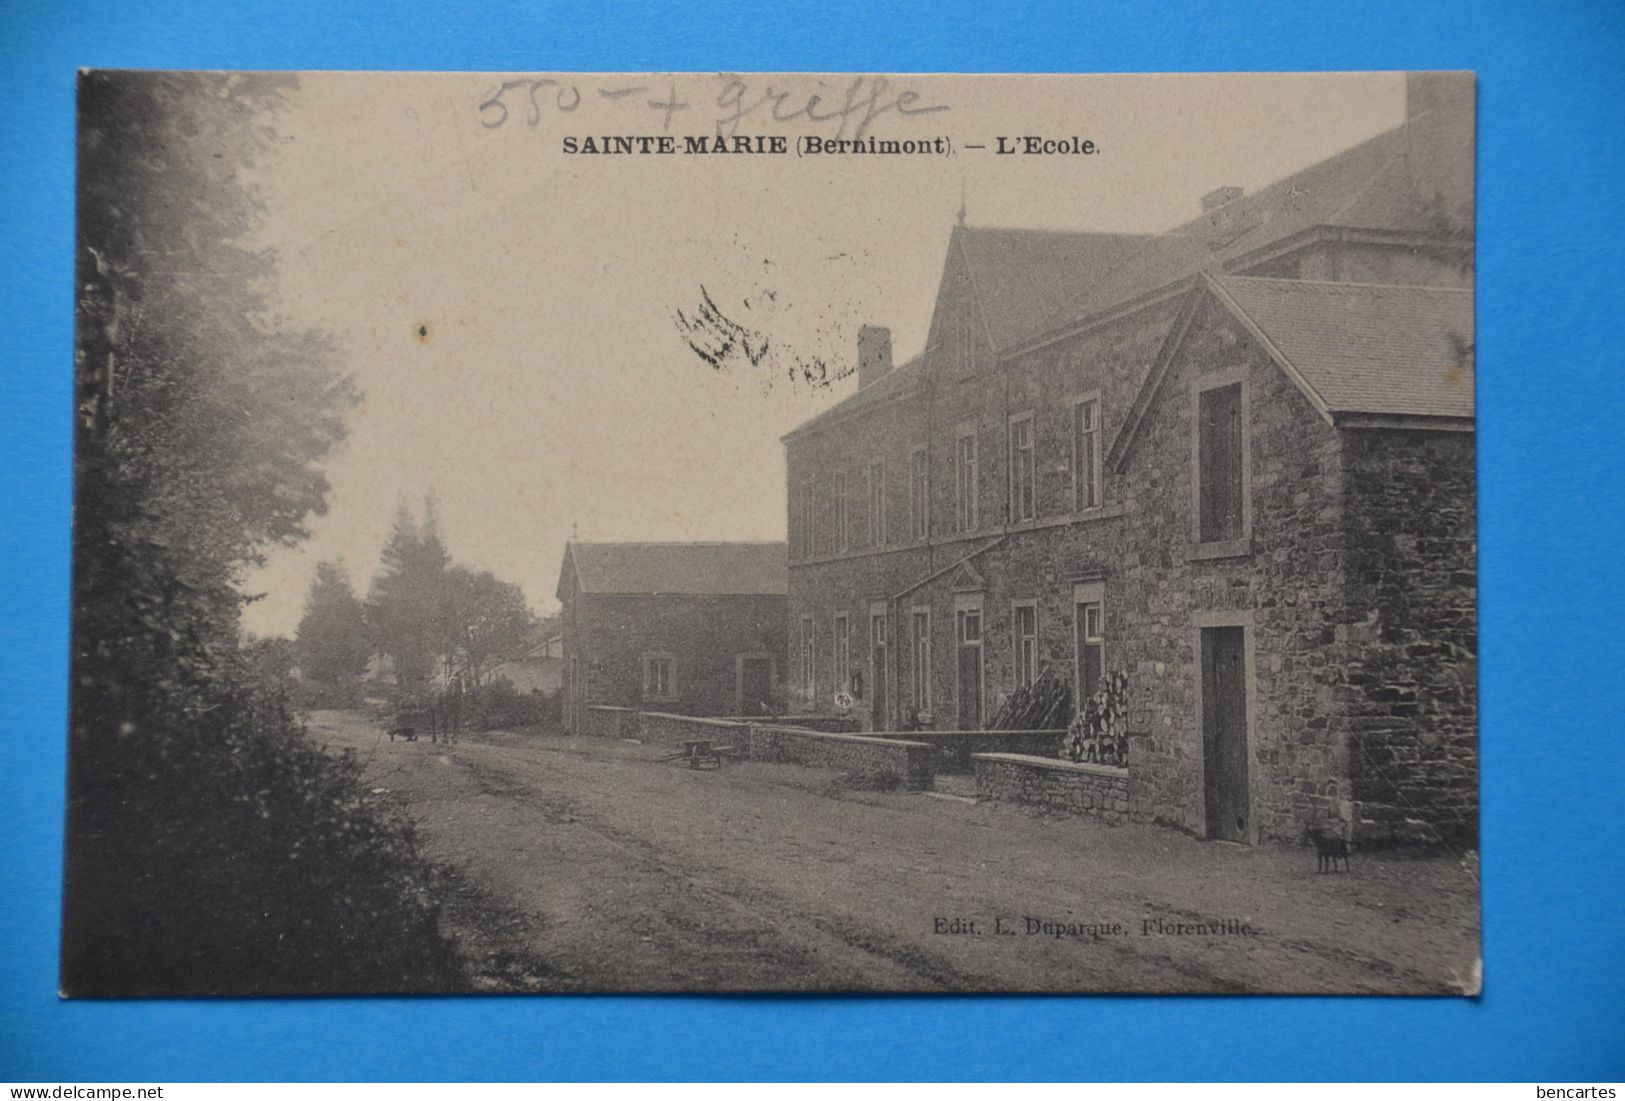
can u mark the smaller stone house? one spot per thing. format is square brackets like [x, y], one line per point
[689, 628]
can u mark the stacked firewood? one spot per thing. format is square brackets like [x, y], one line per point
[1098, 735]
[1045, 705]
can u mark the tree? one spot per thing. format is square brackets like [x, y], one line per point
[406, 605]
[208, 841]
[489, 620]
[332, 638]
[273, 659]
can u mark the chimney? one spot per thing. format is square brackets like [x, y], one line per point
[874, 353]
[1216, 198]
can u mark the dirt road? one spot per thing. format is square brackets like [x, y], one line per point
[588, 864]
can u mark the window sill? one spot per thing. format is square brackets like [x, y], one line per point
[1224, 548]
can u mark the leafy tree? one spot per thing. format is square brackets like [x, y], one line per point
[273, 659]
[406, 605]
[210, 845]
[332, 639]
[489, 620]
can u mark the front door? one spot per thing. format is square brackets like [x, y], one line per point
[1224, 731]
[969, 634]
[755, 686]
[877, 671]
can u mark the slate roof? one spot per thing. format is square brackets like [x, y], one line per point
[1030, 284]
[897, 381]
[1362, 348]
[1027, 281]
[690, 569]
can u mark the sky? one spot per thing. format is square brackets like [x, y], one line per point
[513, 314]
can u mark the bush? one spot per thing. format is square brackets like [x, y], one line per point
[498, 705]
[225, 853]
[344, 693]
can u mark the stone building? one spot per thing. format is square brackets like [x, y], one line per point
[1233, 461]
[689, 628]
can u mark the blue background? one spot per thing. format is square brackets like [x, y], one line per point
[1552, 105]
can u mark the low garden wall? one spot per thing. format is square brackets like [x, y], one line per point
[912, 763]
[610, 722]
[833, 724]
[1098, 791]
[955, 748]
[660, 728]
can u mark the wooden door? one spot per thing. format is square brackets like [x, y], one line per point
[969, 634]
[755, 686]
[877, 672]
[1224, 731]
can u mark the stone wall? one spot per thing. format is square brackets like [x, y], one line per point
[1355, 584]
[671, 731]
[1096, 791]
[610, 722]
[955, 748]
[829, 724]
[912, 763]
[1282, 584]
[610, 635]
[1412, 690]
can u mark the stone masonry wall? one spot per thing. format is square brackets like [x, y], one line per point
[671, 731]
[912, 763]
[1110, 361]
[955, 748]
[1096, 791]
[1413, 634]
[1284, 585]
[610, 722]
[703, 634]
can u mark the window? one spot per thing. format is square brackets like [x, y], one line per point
[919, 493]
[659, 677]
[920, 643]
[842, 654]
[1219, 502]
[1023, 501]
[965, 481]
[839, 490]
[970, 626]
[1026, 635]
[1089, 637]
[808, 666]
[968, 667]
[1086, 454]
[877, 504]
[809, 519]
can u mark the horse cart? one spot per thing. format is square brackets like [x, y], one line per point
[408, 722]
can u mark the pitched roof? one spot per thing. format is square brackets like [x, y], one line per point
[693, 569]
[1026, 281]
[1417, 177]
[1033, 284]
[894, 383]
[1362, 348]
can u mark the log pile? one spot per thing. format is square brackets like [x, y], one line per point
[1045, 705]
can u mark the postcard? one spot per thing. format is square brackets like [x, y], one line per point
[773, 532]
